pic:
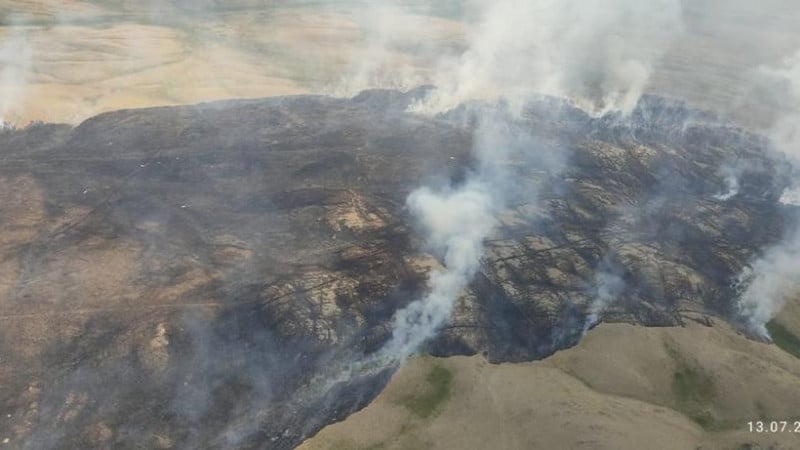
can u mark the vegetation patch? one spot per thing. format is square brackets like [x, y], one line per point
[429, 400]
[693, 390]
[784, 339]
[692, 385]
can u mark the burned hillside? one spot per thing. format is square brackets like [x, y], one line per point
[173, 277]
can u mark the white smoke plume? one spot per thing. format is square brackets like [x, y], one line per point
[455, 219]
[400, 49]
[772, 277]
[731, 178]
[791, 196]
[456, 222]
[521, 49]
[600, 54]
[769, 281]
[609, 285]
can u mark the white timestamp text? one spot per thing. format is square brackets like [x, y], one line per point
[774, 426]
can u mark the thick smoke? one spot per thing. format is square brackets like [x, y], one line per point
[456, 221]
[772, 277]
[791, 196]
[599, 54]
[608, 286]
[520, 49]
[730, 176]
[769, 280]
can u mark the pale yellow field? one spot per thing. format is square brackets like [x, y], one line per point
[64, 61]
[67, 61]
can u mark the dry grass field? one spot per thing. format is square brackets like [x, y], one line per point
[623, 387]
[64, 61]
[67, 61]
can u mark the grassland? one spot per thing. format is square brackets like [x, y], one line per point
[622, 387]
[428, 401]
[784, 338]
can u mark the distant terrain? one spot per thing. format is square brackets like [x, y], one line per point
[78, 58]
[71, 60]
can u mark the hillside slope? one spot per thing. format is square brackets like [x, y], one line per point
[623, 387]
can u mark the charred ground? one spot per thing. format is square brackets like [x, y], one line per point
[172, 277]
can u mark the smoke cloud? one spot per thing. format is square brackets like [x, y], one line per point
[599, 54]
[767, 283]
[792, 195]
[456, 221]
[731, 178]
[772, 277]
[518, 50]
[608, 285]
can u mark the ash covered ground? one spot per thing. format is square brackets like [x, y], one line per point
[178, 277]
